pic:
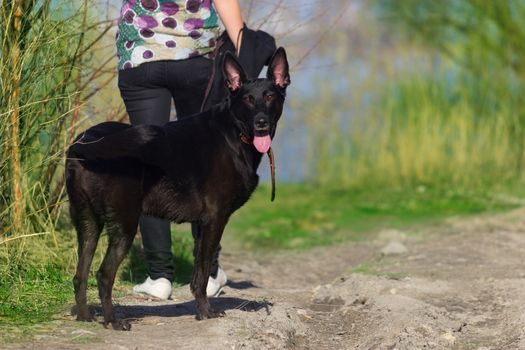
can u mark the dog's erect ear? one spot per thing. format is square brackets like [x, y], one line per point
[278, 69]
[233, 72]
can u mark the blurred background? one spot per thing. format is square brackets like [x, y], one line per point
[399, 113]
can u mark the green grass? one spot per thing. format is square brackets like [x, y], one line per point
[305, 216]
[31, 295]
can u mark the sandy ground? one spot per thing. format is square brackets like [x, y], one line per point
[458, 285]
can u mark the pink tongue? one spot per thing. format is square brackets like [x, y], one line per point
[262, 143]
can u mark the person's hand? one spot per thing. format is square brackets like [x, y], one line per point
[229, 12]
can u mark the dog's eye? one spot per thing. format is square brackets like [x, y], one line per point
[249, 99]
[269, 97]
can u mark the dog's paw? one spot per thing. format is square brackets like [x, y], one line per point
[84, 313]
[210, 313]
[86, 316]
[119, 325]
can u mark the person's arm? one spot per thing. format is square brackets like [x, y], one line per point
[229, 12]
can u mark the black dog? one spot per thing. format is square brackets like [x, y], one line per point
[197, 170]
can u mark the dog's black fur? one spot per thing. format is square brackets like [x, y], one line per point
[195, 170]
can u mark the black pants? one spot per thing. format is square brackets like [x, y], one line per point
[147, 91]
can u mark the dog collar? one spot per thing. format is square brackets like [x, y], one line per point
[246, 141]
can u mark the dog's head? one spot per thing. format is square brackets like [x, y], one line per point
[257, 105]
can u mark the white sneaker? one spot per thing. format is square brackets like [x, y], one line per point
[215, 285]
[159, 288]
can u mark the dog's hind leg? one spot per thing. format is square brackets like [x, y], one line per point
[88, 232]
[120, 236]
[207, 244]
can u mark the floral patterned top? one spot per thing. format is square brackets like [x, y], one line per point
[152, 30]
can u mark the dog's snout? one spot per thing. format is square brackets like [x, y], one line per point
[262, 123]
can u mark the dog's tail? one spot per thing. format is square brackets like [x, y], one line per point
[116, 140]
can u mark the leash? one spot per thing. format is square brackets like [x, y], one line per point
[272, 170]
[245, 140]
[213, 56]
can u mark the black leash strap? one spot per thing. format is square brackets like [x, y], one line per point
[272, 170]
[215, 55]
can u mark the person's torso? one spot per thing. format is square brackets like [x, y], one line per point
[153, 30]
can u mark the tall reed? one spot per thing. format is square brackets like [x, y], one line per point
[414, 130]
[44, 46]
[440, 102]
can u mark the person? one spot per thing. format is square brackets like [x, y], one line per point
[163, 50]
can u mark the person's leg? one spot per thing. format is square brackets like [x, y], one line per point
[147, 102]
[189, 82]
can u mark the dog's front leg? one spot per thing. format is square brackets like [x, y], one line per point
[206, 246]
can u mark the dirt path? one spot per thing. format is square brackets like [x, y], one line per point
[457, 286]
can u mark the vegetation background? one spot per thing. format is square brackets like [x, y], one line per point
[400, 112]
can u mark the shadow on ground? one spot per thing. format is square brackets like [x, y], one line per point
[241, 285]
[188, 308]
